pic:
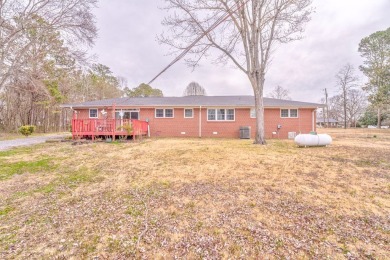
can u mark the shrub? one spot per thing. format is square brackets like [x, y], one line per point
[26, 130]
[126, 127]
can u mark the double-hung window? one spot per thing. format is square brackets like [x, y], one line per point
[220, 114]
[289, 113]
[93, 113]
[188, 113]
[164, 113]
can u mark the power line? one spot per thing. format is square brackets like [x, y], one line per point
[236, 7]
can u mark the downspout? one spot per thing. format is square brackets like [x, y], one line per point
[299, 121]
[312, 121]
[200, 121]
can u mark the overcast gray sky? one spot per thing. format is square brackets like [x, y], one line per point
[127, 44]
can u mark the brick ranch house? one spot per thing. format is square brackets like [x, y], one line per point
[191, 116]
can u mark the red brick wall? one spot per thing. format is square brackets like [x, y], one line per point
[84, 113]
[189, 127]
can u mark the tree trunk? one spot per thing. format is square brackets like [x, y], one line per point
[379, 118]
[257, 85]
[345, 109]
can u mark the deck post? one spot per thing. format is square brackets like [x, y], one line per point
[73, 124]
[114, 124]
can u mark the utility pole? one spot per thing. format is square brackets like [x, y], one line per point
[327, 108]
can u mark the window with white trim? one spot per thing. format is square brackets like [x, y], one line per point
[252, 113]
[164, 113]
[93, 113]
[188, 113]
[289, 113]
[220, 114]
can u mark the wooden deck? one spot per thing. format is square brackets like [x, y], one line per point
[91, 128]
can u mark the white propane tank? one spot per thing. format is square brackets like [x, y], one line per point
[313, 140]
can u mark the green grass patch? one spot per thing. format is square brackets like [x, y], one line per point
[134, 211]
[16, 151]
[6, 210]
[84, 175]
[21, 194]
[49, 188]
[7, 170]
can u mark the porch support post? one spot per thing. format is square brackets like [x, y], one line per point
[73, 124]
[114, 124]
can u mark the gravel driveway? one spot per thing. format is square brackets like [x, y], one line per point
[26, 141]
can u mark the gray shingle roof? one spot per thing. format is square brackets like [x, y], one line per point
[323, 120]
[191, 101]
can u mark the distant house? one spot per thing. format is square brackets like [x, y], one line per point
[192, 116]
[322, 122]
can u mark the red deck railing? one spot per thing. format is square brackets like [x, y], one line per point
[105, 127]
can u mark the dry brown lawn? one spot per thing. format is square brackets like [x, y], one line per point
[198, 198]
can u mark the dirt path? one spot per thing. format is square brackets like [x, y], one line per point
[26, 141]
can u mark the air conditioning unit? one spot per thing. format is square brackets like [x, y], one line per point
[291, 135]
[245, 132]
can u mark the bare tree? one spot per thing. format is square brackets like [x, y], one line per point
[280, 93]
[346, 80]
[357, 104]
[194, 89]
[247, 38]
[72, 20]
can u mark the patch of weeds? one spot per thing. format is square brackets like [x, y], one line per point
[20, 194]
[279, 243]
[114, 245]
[73, 179]
[10, 169]
[353, 193]
[198, 225]
[173, 214]
[190, 205]
[116, 142]
[344, 248]
[282, 146]
[90, 246]
[364, 163]
[6, 240]
[165, 184]
[252, 204]
[235, 249]
[338, 158]
[49, 188]
[6, 210]
[134, 211]
[16, 151]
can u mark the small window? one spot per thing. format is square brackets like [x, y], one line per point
[230, 114]
[220, 114]
[169, 112]
[293, 112]
[289, 113]
[211, 114]
[93, 113]
[253, 113]
[164, 113]
[284, 113]
[159, 112]
[188, 113]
